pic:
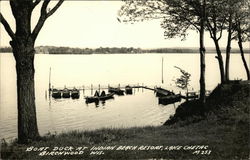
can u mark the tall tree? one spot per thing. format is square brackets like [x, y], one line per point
[215, 25]
[230, 9]
[231, 12]
[178, 16]
[22, 43]
[242, 26]
[228, 49]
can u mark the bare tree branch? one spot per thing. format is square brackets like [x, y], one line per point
[7, 26]
[210, 31]
[55, 8]
[221, 30]
[36, 3]
[43, 16]
[41, 20]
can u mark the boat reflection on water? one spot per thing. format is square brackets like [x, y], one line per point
[97, 103]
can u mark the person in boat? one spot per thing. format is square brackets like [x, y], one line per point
[96, 93]
[103, 93]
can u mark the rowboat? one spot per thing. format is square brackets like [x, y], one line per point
[117, 91]
[90, 99]
[66, 93]
[75, 94]
[161, 92]
[56, 93]
[169, 99]
[128, 90]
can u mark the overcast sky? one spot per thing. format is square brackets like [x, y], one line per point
[94, 24]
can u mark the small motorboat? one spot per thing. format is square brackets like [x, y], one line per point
[75, 93]
[66, 93]
[56, 93]
[117, 91]
[169, 99]
[128, 90]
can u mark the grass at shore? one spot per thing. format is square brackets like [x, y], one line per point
[223, 126]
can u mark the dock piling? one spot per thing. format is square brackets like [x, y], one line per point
[91, 88]
[49, 81]
[83, 89]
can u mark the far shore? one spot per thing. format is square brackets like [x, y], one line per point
[120, 50]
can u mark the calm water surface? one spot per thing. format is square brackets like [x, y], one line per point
[139, 109]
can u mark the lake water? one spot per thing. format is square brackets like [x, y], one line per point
[139, 109]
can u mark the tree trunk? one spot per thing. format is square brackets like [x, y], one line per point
[23, 50]
[229, 39]
[27, 122]
[202, 57]
[242, 54]
[22, 43]
[220, 60]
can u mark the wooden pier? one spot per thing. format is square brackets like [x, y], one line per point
[158, 90]
[99, 87]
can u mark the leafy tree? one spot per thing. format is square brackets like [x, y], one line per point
[183, 81]
[242, 27]
[22, 43]
[216, 21]
[229, 12]
[226, 14]
[178, 16]
[232, 11]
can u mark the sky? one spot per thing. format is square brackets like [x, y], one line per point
[94, 24]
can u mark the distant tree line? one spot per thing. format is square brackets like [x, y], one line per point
[107, 50]
[5, 49]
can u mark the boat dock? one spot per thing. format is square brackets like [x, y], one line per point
[164, 96]
[99, 87]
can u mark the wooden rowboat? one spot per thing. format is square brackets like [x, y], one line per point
[66, 93]
[75, 93]
[90, 99]
[161, 92]
[128, 90]
[170, 99]
[117, 91]
[56, 93]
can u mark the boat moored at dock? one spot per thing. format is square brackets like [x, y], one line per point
[65, 93]
[75, 93]
[117, 91]
[160, 92]
[56, 93]
[169, 99]
[128, 89]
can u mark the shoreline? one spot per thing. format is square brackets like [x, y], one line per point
[223, 53]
